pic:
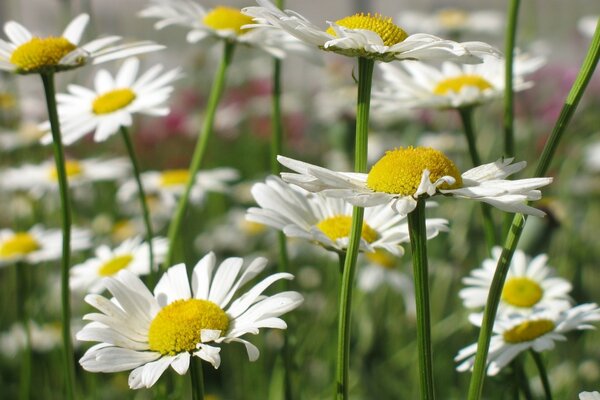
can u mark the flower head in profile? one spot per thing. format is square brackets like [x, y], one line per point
[517, 333]
[327, 221]
[403, 175]
[26, 53]
[453, 21]
[131, 255]
[366, 35]
[112, 102]
[149, 332]
[589, 396]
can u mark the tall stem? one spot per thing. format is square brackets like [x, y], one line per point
[543, 374]
[22, 294]
[511, 33]
[144, 204]
[197, 377]
[65, 203]
[418, 245]
[491, 307]
[365, 76]
[206, 133]
[521, 377]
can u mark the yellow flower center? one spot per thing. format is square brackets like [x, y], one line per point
[41, 52]
[399, 171]
[452, 18]
[457, 83]
[339, 227]
[174, 177]
[522, 292]
[112, 101]
[389, 32]
[253, 228]
[72, 168]
[528, 331]
[20, 243]
[220, 18]
[7, 101]
[382, 258]
[114, 265]
[176, 328]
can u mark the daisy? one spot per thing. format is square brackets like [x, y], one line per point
[26, 53]
[113, 101]
[589, 396]
[453, 21]
[132, 255]
[414, 84]
[148, 333]
[327, 221]
[538, 331]
[37, 244]
[587, 25]
[529, 285]
[365, 35]
[403, 175]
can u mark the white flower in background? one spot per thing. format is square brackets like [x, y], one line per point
[591, 158]
[589, 396]
[26, 53]
[403, 175]
[148, 333]
[453, 21]
[538, 331]
[413, 84]
[365, 35]
[131, 255]
[587, 25]
[42, 338]
[37, 244]
[327, 221]
[26, 134]
[529, 285]
[113, 101]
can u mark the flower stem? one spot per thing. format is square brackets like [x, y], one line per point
[521, 378]
[143, 202]
[511, 33]
[365, 76]
[198, 156]
[197, 377]
[543, 374]
[466, 116]
[22, 294]
[418, 245]
[65, 203]
[489, 315]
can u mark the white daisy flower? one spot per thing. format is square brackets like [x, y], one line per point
[529, 285]
[587, 25]
[37, 244]
[453, 21]
[113, 102]
[131, 255]
[26, 53]
[589, 396]
[327, 221]
[42, 338]
[517, 333]
[414, 84]
[148, 333]
[405, 174]
[366, 35]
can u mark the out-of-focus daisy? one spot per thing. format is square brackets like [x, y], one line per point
[453, 21]
[403, 175]
[131, 255]
[587, 25]
[538, 331]
[26, 134]
[113, 101]
[26, 53]
[37, 244]
[327, 221]
[38, 179]
[529, 285]
[414, 84]
[589, 396]
[42, 338]
[365, 35]
[148, 333]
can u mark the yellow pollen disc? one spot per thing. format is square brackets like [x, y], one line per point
[7, 101]
[457, 83]
[72, 168]
[382, 258]
[41, 52]
[220, 18]
[528, 331]
[112, 101]
[389, 32]
[522, 292]
[174, 177]
[339, 227]
[114, 265]
[253, 228]
[176, 328]
[452, 18]
[19, 244]
[399, 171]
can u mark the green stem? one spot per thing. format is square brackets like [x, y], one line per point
[521, 376]
[365, 76]
[543, 374]
[197, 377]
[418, 245]
[511, 33]
[489, 315]
[198, 156]
[22, 294]
[143, 202]
[466, 116]
[65, 203]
